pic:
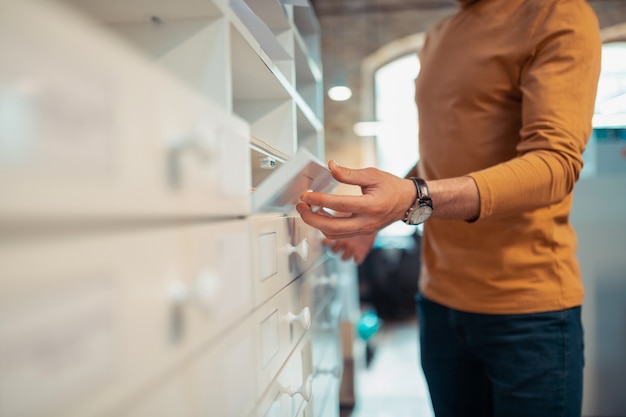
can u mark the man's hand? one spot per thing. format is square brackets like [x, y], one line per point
[355, 247]
[384, 200]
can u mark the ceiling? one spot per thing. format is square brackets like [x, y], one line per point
[356, 7]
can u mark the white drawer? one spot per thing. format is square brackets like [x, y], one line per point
[271, 249]
[328, 407]
[87, 321]
[292, 386]
[317, 287]
[84, 322]
[225, 377]
[217, 382]
[206, 152]
[327, 371]
[215, 290]
[304, 236]
[280, 324]
[99, 132]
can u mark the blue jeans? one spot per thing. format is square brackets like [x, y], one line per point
[477, 365]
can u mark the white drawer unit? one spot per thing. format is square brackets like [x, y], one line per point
[292, 387]
[327, 371]
[218, 381]
[317, 288]
[271, 251]
[306, 384]
[84, 322]
[313, 239]
[127, 305]
[280, 323]
[94, 131]
[214, 292]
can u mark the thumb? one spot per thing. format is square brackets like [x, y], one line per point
[348, 175]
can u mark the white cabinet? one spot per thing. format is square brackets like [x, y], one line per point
[92, 131]
[136, 280]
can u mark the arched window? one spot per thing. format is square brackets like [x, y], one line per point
[395, 110]
[606, 151]
[396, 114]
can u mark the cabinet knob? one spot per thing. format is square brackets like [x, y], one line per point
[305, 390]
[302, 249]
[202, 293]
[327, 280]
[334, 371]
[198, 145]
[304, 318]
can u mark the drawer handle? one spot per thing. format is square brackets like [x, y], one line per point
[306, 390]
[194, 144]
[326, 280]
[202, 293]
[334, 371]
[302, 249]
[304, 318]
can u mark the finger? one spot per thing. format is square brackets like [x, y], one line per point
[339, 203]
[332, 228]
[323, 212]
[360, 177]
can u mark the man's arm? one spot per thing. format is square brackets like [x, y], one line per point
[385, 199]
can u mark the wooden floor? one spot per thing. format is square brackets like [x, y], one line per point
[393, 384]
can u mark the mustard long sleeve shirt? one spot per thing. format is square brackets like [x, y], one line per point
[506, 94]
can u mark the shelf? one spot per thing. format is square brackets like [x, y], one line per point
[187, 38]
[309, 136]
[260, 98]
[260, 159]
[308, 80]
[258, 59]
[194, 50]
[308, 27]
[118, 11]
[271, 12]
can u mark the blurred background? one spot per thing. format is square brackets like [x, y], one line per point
[369, 46]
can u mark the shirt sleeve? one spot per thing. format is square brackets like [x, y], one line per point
[558, 84]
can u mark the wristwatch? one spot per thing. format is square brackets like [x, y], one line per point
[422, 208]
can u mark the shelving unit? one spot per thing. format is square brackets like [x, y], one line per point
[137, 133]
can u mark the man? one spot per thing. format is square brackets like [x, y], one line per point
[505, 96]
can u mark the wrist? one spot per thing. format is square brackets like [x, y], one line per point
[422, 207]
[457, 198]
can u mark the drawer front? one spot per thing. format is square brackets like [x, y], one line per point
[206, 153]
[280, 324]
[327, 371]
[127, 306]
[292, 387]
[218, 381]
[330, 406]
[86, 321]
[326, 358]
[102, 133]
[270, 253]
[317, 288]
[215, 291]
[308, 243]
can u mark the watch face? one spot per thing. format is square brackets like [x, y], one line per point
[421, 214]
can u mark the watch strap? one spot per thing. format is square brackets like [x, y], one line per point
[423, 195]
[422, 198]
